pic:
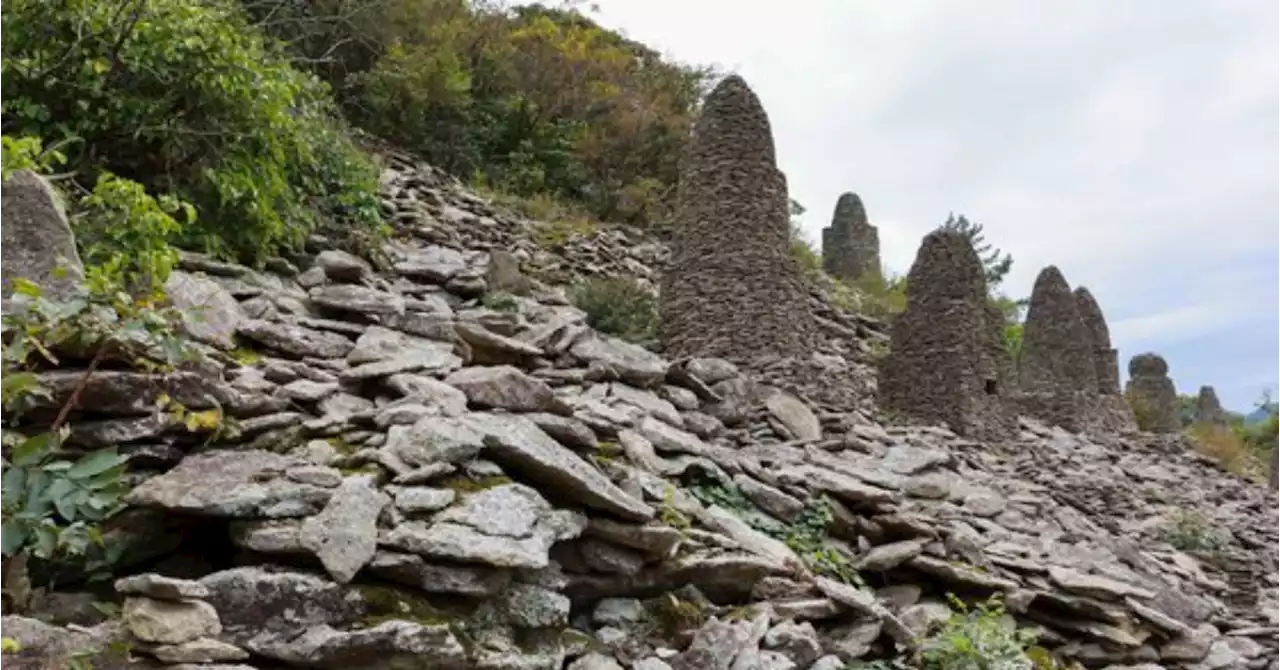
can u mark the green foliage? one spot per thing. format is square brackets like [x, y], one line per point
[807, 536]
[667, 511]
[53, 504]
[124, 234]
[1191, 531]
[881, 296]
[619, 306]
[995, 263]
[27, 153]
[538, 100]
[500, 302]
[187, 99]
[975, 638]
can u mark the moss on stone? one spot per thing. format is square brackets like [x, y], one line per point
[674, 615]
[342, 446]
[245, 356]
[465, 484]
[388, 604]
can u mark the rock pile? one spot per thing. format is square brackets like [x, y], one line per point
[1057, 373]
[850, 245]
[944, 360]
[408, 478]
[1152, 395]
[732, 289]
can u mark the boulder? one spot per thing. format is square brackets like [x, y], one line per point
[38, 244]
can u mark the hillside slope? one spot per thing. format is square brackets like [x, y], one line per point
[421, 469]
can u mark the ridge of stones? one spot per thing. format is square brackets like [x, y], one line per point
[850, 245]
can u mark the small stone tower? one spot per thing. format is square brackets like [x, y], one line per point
[1152, 394]
[732, 289]
[1057, 376]
[850, 245]
[944, 363]
[1111, 413]
[1208, 409]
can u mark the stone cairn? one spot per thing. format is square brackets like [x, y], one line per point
[850, 245]
[1110, 412]
[1152, 395]
[731, 289]
[1208, 408]
[1056, 373]
[944, 363]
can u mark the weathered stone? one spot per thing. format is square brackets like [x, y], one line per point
[295, 340]
[435, 263]
[850, 245]
[505, 387]
[610, 558]
[718, 644]
[530, 606]
[341, 266]
[358, 299]
[237, 484]
[944, 361]
[1095, 585]
[1208, 408]
[465, 580]
[888, 556]
[490, 348]
[733, 291]
[629, 362]
[170, 622]
[618, 612]
[656, 541]
[518, 444]
[344, 535]
[160, 587]
[273, 536]
[435, 439]
[798, 641]
[390, 645]
[209, 313]
[503, 274]
[203, 650]
[430, 391]
[795, 416]
[420, 499]
[458, 542]
[38, 244]
[255, 600]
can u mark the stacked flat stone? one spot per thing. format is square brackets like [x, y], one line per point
[1057, 377]
[1208, 408]
[850, 245]
[1152, 394]
[1111, 412]
[944, 363]
[732, 289]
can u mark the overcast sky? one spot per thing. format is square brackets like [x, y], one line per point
[1132, 144]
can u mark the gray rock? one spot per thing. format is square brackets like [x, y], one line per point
[509, 526]
[596, 661]
[799, 641]
[421, 499]
[436, 264]
[794, 415]
[435, 439]
[306, 390]
[342, 267]
[390, 645]
[490, 348]
[864, 603]
[711, 371]
[38, 244]
[465, 580]
[316, 475]
[668, 438]
[530, 606]
[232, 483]
[209, 313]
[960, 574]
[1191, 647]
[255, 600]
[170, 622]
[518, 444]
[621, 612]
[358, 299]
[160, 587]
[430, 391]
[505, 387]
[48, 647]
[829, 662]
[295, 340]
[920, 616]
[633, 364]
[718, 644]
[769, 499]
[609, 558]
[97, 434]
[203, 650]
[1095, 585]
[274, 536]
[851, 642]
[646, 402]
[344, 535]
[654, 540]
[888, 556]
[568, 431]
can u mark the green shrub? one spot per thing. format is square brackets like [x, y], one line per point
[1190, 531]
[975, 638]
[880, 296]
[189, 100]
[619, 306]
[500, 302]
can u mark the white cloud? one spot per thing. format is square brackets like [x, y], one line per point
[1133, 145]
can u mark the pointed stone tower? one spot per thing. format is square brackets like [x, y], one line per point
[945, 357]
[1111, 412]
[1152, 395]
[1057, 376]
[731, 288]
[850, 245]
[1209, 408]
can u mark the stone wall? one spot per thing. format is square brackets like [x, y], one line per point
[1057, 378]
[1111, 412]
[850, 245]
[943, 362]
[731, 288]
[1208, 408]
[1152, 394]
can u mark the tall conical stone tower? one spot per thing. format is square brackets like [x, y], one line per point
[850, 245]
[731, 288]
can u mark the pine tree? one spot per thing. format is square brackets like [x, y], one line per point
[995, 262]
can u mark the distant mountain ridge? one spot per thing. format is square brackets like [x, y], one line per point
[1260, 414]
